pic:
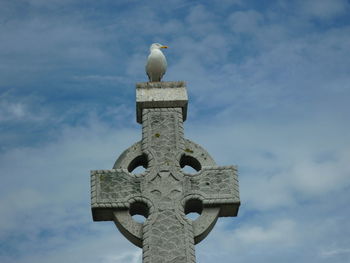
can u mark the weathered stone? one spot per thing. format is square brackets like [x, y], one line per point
[161, 95]
[164, 193]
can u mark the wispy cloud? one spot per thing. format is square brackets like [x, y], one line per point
[335, 252]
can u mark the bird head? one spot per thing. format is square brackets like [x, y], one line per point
[157, 46]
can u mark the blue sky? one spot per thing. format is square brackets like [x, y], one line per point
[269, 88]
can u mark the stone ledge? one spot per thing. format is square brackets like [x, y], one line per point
[161, 84]
[172, 94]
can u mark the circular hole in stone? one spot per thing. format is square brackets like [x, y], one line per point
[192, 216]
[138, 165]
[139, 170]
[188, 170]
[190, 164]
[139, 218]
[139, 211]
[193, 209]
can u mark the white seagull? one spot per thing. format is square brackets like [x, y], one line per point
[156, 63]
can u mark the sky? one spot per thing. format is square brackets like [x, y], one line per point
[269, 91]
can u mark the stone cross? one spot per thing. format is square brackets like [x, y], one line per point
[164, 193]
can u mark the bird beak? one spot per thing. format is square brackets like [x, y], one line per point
[164, 47]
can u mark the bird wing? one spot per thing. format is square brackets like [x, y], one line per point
[156, 65]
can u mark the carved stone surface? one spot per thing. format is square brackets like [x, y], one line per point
[161, 95]
[163, 193]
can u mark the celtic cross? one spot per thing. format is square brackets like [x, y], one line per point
[164, 193]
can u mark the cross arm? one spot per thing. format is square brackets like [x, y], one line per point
[216, 187]
[112, 190]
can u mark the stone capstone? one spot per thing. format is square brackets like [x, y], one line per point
[161, 95]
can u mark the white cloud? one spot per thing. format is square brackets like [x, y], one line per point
[201, 21]
[324, 9]
[335, 252]
[58, 173]
[20, 109]
[48, 3]
[280, 165]
[23, 199]
[101, 78]
[279, 232]
[256, 240]
[245, 21]
[129, 256]
[106, 247]
[317, 178]
[11, 111]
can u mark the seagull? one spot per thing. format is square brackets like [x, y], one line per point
[156, 63]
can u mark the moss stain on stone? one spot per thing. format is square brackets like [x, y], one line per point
[188, 150]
